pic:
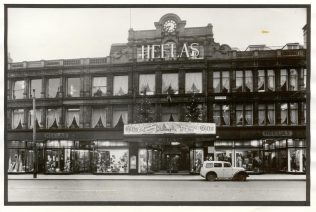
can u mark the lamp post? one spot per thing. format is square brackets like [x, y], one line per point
[34, 138]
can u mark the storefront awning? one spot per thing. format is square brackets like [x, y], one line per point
[159, 128]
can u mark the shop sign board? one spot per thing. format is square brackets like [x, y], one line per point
[169, 128]
[278, 133]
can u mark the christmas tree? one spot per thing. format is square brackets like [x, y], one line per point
[144, 110]
[194, 110]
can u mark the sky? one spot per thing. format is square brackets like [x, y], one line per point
[46, 34]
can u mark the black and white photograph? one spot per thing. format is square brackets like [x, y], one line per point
[157, 105]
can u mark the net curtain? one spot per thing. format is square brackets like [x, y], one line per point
[261, 80]
[147, 83]
[216, 82]
[38, 115]
[271, 80]
[248, 81]
[117, 115]
[193, 83]
[97, 114]
[284, 113]
[52, 115]
[71, 115]
[99, 84]
[18, 117]
[226, 114]
[120, 85]
[225, 81]
[18, 89]
[170, 80]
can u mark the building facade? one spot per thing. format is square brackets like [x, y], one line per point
[257, 99]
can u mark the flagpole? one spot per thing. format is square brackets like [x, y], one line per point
[34, 138]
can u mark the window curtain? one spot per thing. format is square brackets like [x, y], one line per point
[271, 84]
[98, 118]
[226, 114]
[249, 81]
[53, 117]
[271, 115]
[170, 83]
[239, 81]
[117, 115]
[170, 114]
[217, 114]
[18, 118]
[120, 85]
[37, 86]
[239, 115]
[53, 88]
[147, 84]
[261, 80]
[73, 87]
[99, 86]
[38, 115]
[261, 115]
[216, 82]
[284, 113]
[193, 83]
[225, 82]
[294, 113]
[293, 80]
[248, 115]
[73, 118]
[283, 80]
[18, 89]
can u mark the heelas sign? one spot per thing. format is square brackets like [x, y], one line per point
[168, 50]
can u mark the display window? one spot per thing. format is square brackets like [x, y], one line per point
[82, 162]
[196, 160]
[144, 161]
[297, 160]
[20, 161]
[248, 158]
[111, 160]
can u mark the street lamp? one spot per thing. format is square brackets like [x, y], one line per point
[34, 138]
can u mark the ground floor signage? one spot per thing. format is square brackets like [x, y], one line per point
[278, 133]
[169, 128]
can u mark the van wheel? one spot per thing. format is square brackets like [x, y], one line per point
[210, 177]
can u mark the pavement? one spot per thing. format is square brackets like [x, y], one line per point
[260, 177]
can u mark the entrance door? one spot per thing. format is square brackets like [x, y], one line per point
[172, 161]
[83, 161]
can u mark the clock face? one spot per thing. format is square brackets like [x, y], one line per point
[169, 26]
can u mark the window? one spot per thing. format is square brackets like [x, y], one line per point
[193, 83]
[304, 112]
[36, 84]
[248, 115]
[119, 114]
[18, 119]
[221, 82]
[221, 115]
[170, 113]
[283, 80]
[72, 118]
[217, 165]
[261, 81]
[147, 84]
[227, 165]
[18, 89]
[73, 87]
[294, 113]
[293, 80]
[271, 80]
[261, 114]
[53, 118]
[170, 83]
[216, 82]
[271, 114]
[38, 116]
[248, 81]
[305, 77]
[239, 81]
[239, 115]
[217, 114]
[209, 165]
[120, 85]
[225, 115]
[111, 160]
[225, 82]
[284, 114]
[266, 114]
[99, 86]
[53, 88]
[98, 118]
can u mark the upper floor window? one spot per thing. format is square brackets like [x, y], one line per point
[38, 118]
[120, 117]
[221, 82]
[305, 77]
[98, 118]
[244, 81]
[304, 112]
[72, 118]
[261, 81]
[239, 81]
[73, 87]
[193, 82]
[170, 113]
[120, 85]
[271, 80]
[170, 83]
[266, 114]
[293, 80]
[18, 118]
[248, 81]
[244, 115]
[221, 115]
[18, 89]
[99, 86]
[294, 113]
[54, 87]
[284, 114]
[266, 80]
[283, 80]
[147, 84]
[53, 117]
[36, 85]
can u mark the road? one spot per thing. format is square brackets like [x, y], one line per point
[154, 190]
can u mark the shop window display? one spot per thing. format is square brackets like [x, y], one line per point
[82, 160]
[144, 161]
[111, 161]
[196, 160]
[20, 160]
[297, 160]
[58, 161]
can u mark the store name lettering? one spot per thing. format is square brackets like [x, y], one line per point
[277, 133]
[168, 50]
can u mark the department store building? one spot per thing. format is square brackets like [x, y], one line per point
[162, 103]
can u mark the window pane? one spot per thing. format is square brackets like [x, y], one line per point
[72, 118]
[120, 85]
[248, 115]
[53, 88]
[117, 114]
[147, 84]
[293, 80]
[170, 83]
[53, 116]
[18, 119]
[18, 89]
[37, 86]
[216, 82]
[271, 114]
[284, 114]
[271, 80]
[170, 113]
[111, 161]
[239, 81]
[248, 81]
[261, 81]
[239, 115]
[261, 115]
[225, 82]
[193, 83]
[294, 113]
[99, 86]
[226, 115]
[283, 80]
[217, 114]
[73, 87]
[38, 115]
[98, 118]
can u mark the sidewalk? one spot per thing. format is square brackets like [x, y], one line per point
[147, 177]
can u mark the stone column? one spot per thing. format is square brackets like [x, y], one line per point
[26, 88]
[44, 87]
[158, 82]
[109, 116]
[181, 82]
[110, 85]
[26, 119]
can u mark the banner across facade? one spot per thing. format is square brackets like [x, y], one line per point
[169, 128]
